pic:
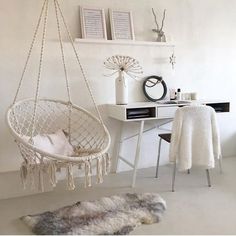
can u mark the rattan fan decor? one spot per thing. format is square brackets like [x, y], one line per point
[40, 116]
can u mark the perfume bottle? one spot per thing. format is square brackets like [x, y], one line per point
[178, 96]
[172, 94]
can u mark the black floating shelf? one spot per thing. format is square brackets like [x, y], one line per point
[220, 107]
[139, 113]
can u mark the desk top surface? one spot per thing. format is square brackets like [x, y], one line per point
[167, 103]
[164, 109]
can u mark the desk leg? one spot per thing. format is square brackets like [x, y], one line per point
[117, 148]
[137, 154]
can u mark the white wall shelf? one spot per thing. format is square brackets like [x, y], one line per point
[124, 42]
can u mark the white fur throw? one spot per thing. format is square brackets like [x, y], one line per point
[195, 137]
[117, 214]
[56, 143]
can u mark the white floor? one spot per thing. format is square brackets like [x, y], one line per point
[193, 209]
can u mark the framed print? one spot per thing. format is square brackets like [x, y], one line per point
[121, 24]
[93, 24]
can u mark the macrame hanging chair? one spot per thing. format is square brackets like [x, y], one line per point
[39, 116]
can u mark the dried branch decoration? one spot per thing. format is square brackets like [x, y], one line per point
[160, 33]
[126, 64]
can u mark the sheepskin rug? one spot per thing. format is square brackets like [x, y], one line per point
[118, 214]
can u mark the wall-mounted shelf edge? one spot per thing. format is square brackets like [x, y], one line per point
[123, 42]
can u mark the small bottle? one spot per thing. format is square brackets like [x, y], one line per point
[172, 94]
[178, 97]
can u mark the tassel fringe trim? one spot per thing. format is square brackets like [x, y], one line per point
[32, 173]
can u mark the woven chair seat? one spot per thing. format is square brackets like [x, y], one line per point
[89, 137]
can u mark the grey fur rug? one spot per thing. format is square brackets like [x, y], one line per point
[118, 214]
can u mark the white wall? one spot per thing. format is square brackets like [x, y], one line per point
[204, 34]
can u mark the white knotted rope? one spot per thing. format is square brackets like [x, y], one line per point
[30, 51]
[88, 174]
[65, 69]
[36, 163]
[80, 65]
[99, 171]
[40, 70]
[70, 178]
[40, 172]
[52, 173]
[23, 174]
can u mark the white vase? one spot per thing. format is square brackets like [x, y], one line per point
[121, 89]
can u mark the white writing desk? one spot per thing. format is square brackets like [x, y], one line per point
[144, 111]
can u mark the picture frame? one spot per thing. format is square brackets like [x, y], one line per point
[122, 27]
[93, 23]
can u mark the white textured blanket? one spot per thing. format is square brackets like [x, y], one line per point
[195, 137]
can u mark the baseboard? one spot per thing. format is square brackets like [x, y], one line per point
[10, 186]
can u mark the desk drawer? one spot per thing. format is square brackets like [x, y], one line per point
[166, 112]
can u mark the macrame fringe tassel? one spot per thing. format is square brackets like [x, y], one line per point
[99, 171]
[23, 174]
[80, 166]
[88, 174]
[29, 171]
[52, 169]
[40, 170]
[104, 165]
[31, 174]
[70, 178]
[108, 163]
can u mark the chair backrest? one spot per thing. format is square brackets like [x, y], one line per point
[195, 137]
[196, 114]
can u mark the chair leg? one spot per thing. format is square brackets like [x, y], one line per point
[220, 164]
[188, 171]
[208, 178]
[158, 157]
[173, 177]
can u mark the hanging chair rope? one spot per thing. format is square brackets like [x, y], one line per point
[88, 135]
[65, 69]
[57, 7]
[78, 60]
[40, 69]
[62, 53]
[30, 51]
